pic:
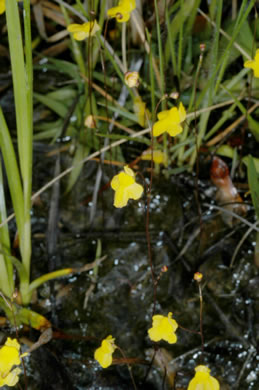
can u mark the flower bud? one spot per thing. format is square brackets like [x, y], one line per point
[132, 79]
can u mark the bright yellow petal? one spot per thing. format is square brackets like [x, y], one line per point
[74, 27]
[115, 183]
[2, 6]
[158, 156]
[249, 64]
[12, 378]
[203, 380]
[80, 35]
[159, 127]
[134, 191]
[94, 27]
[174, 115]
[120, 13]
[163, 114]
[182, 112]
[130, 5]
[120, 198]
[174, 129]
[129, 171]
[9, 356]
[104, 359]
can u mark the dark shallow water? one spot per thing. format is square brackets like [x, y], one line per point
[121, 298]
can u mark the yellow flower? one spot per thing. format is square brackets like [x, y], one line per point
[122, 11]
[159, 157]
[170, 121]
[125, 187]
[2, 6]
[9, 357]
[254, 64]
[203, 380]
[103, 354]
[82, 31]
[163, 328]
[132, 79]
[141, 111]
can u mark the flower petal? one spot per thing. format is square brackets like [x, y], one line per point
[182, 112]
[120, 198]
[174, 129]
[134, 191]
[163, 114]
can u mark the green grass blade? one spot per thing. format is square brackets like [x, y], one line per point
[253, 181]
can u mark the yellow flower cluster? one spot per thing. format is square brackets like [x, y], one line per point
[9, 357]
[122, 11]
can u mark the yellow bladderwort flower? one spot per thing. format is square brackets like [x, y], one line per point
[9, 357]
[143, 113]
[103, 354]
[122, 11]
[83, 31]
[203, 380]
[254, 64]
[163, 328]
[159, 157]
[125, 187]
[170, 121]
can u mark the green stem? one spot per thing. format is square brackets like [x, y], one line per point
[123, 46]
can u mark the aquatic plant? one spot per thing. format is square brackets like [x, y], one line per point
[83, 31]
[103, 354]
[170, 121]
[163, 328]
[203, 380]
[10, 357]
[125, 187]
[122, 11]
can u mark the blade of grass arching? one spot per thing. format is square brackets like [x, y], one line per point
[75, 46]
[6, 269]
[248, 37]
[81, 152]
[116, 67]
[22, 84]
[253, 124]
[226, 115]
[12, 172]
[212, 8]
[208, 98]
[151, 77]
[56, 106]
[170, 42]
[176, 24]
[190, 21]
[227, 48]
[180, 43]
[123, 113]
[160, 51]
[125, 137]
[253, 181]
